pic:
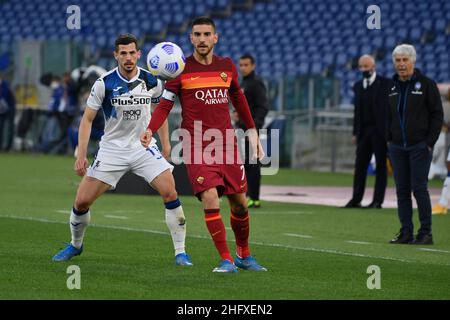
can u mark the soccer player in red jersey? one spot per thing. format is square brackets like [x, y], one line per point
[204, 89]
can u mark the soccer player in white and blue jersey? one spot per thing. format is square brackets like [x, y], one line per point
[125, 94]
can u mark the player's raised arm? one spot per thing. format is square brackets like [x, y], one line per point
[83, 140]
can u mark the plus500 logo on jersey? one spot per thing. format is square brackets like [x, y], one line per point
[131, 114]
[130, 101]
[212, 96]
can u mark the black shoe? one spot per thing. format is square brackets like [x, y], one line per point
[423, 239]
[352, 204]
[374, 205]
[402, 238]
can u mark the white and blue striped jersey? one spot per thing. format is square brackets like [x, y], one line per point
[126, 105]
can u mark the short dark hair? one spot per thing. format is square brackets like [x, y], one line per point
[248, 56]
[203, 20]
[124, 39]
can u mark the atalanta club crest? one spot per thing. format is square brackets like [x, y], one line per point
[224, 76]
[417, 86]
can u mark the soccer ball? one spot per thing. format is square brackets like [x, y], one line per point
[166, 60]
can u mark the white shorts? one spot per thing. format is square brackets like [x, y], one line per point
[109, 166]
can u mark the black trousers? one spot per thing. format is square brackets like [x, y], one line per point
[6, 130]
[253, 173]
[370, 142]
[411, 166]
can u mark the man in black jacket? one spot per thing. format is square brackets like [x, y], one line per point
[369, 128]
[256, 95]
[414, 121]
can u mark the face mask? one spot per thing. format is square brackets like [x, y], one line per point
[54, 85]
[367, 74]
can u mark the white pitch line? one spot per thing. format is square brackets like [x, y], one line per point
[280, 212]
[357, 242]
[125, 211]
[433, 250]
[115, 217]
[297, 235]
[273, 245]
[103, 212]
[33, 219]
[332, 251]
[90, 225]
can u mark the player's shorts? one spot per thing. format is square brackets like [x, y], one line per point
[109, 166]
[227, 178]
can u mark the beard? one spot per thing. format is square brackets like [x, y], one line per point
[129, 68]
[203, 53]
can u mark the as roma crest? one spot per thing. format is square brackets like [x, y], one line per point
[224, 76]
[200, 180]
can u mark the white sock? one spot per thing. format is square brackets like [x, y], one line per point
[445, 194]
[78, 224]
[177, 225]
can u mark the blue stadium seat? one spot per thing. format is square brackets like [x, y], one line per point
[221, 4]
[201, 10]
[440, 24]
[426, 24]
[392, 42]
[341, 59]
[316, 68]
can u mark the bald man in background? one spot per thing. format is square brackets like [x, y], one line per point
[369, 131]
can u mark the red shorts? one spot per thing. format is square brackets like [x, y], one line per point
[227, 178]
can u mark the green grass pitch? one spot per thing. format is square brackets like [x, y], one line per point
[312, 252]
